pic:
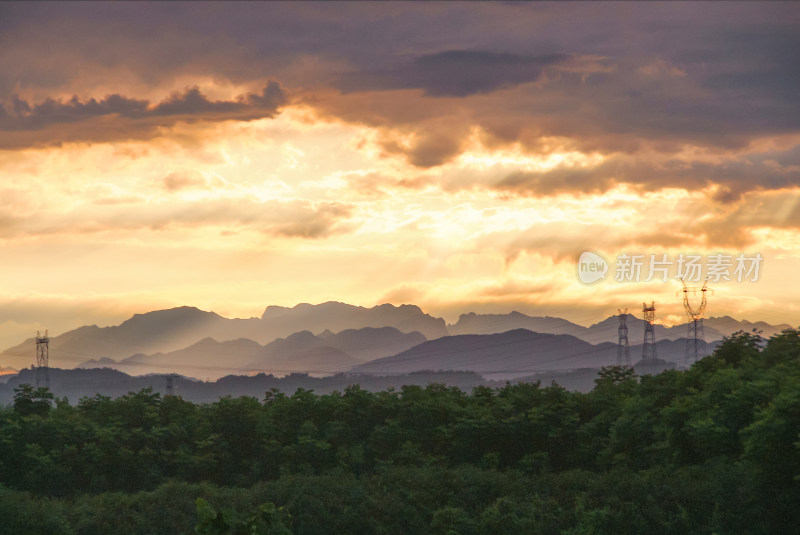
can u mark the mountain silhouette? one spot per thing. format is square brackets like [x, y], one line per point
[603, 331]
[505, 355]
[473, 323]
[299, 352]
[170, 330]
[204, 344]
[516, 353]
[337, 317]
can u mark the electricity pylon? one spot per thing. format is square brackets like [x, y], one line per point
[649, 345]
[695, 336]
[42, 360]
[623, 351]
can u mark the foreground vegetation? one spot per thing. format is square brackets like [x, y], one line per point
[715, 449]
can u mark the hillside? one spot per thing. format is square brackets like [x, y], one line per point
[605, 330]
[504, 355]
[82, 383]
[196, 343]
[334, 316]
[300, 352]
[166, 331]
[516, 353]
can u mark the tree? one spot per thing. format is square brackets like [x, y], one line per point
[266, 520]
[29, 401]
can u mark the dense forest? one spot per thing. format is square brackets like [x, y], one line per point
[714, 449]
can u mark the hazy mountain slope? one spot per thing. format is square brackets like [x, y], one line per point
[206, 358]
[603, 331]
[166, 337]
[370, 343]
[303, 351]
[509, 354]
[158, 331]
[608, 331]
[165, 331]
[514, 354]
[726, 325]
[300, 351]
[320, 360]
[673, 351]
[473, 323]
[336, 317]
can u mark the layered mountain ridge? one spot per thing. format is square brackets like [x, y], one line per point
[171, 330]
[381, 339]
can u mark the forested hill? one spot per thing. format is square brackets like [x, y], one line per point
[73, 385]
[713, 449]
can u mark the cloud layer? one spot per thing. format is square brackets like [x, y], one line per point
[129, 116]
[359, 151]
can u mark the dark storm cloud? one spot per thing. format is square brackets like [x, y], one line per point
[626, 104]
[53, 45]
[662, 86]
[626, 80]
[193, 102]
[735, 177]
[751, 61]
[20, 115]
[24, 116]
[455, 73]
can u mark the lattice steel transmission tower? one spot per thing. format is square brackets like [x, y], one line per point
[171, 384]
[649, 345]
[623, 351]
[42, 360]
[695, 335]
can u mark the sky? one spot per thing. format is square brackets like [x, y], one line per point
[457, 156]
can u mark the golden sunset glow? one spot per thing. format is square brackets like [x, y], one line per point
[243, 173]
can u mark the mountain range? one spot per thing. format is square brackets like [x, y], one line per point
[604, 331]
[165, 331]
[384, 339]
[515, 353]
[323, 354]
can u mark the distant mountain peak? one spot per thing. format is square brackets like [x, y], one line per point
[173, 311]
[205, 342]
[301, 335]
[335, 316]
[96, 363]
[182, 312]
[277, 311]
[405, 307]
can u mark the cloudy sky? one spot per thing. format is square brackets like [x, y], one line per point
[459, 156]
